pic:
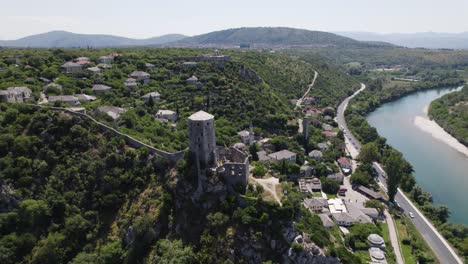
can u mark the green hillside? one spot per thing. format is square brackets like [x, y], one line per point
[271, 36]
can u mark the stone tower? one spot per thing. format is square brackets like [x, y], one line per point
[305, 127]
[202, 140]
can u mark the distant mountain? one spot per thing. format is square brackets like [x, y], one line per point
[428, 40]
[269, 36]
[68, 39]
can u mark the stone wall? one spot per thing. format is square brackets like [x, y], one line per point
[128, 139]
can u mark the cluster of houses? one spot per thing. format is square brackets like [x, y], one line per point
[16, 94]
[337, 211]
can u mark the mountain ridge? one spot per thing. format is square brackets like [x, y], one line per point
[65, 39]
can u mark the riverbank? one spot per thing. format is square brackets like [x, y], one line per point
[431, 127]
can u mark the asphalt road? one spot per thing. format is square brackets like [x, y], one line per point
[434, 239]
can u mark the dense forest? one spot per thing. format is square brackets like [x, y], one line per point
[451, 112]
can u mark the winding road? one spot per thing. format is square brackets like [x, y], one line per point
[433, 238]
[299, 101]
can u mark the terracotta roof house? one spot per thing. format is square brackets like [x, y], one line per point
[283, 155]
[101, 88]
[154, 95]
[345, 165]
[112, 111]
[329, 134]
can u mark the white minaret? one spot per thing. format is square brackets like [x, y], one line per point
[202, 139]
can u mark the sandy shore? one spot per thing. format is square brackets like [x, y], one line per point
[431, 127]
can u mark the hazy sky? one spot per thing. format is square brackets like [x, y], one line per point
[146, 18]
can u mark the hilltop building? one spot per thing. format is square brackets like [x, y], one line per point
[16, 94]
[231, 164]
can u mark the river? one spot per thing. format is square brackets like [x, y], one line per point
[439, 169]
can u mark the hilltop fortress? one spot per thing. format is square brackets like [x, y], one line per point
[231, 164]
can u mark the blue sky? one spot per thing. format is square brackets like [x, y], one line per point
[146, 18]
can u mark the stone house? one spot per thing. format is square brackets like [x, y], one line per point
[112, 111]
[316, 155]
[235, 165]
[246, 137]
[166, 115]
[283, 155]
[192, 80]
[155, 95]
[95, 70]
[71, 67]
[316, 205]
[67, 99]
[141, 76]
[101, 88]
[131, 83]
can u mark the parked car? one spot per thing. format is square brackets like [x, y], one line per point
[411, 214]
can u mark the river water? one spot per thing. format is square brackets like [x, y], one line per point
[439, 169]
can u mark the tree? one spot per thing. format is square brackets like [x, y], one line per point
[369, 153]
[259, 170]
[393, 167]
[253, 151]
[330, 186]
[172, 252]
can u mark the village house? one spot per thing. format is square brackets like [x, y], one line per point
[316, 155]
[85, 97]
[95, 70]
[21, 94]
[7, 96]
[106, 59]
[188, 65]
[309, 185]
[306, 171]
[154, 95]
[323, 146]
[166, 115]
[329, 134]
[112, 111]
[141, 76]
[67, 99]
[343, 219]
[104, 66]
[246, 137]
[326, 221]
[315, 205]
[82, 61]
[101, 88]
[71, 67]
[263, 156]
[283, 155]
[337, 177]
[131, 83]
[149, 66]
[308, 100]
[368, 192]
[327, 127]
[192, 80]
[345, 165]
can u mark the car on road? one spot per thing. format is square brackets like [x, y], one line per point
[411, 214]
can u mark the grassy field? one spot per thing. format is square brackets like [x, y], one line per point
[406, 230]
